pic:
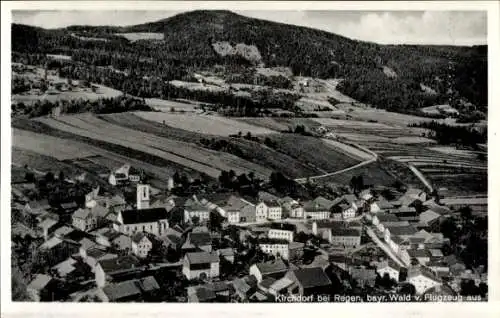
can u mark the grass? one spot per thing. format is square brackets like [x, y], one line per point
[373, 174]
[182, 153]
[313, 152]
[142, 36]
[204, 124]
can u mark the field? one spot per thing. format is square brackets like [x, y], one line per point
[181, 153]
[132, 37]
[252, 151]
[169, 105]
[314, 152]
[204, 124]
[373, 174]
[58, 148]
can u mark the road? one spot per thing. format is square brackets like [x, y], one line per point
[384, 247]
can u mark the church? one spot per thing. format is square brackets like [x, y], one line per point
[143, 218]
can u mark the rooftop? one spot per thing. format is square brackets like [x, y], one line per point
[202, 258]
[121, 263]
[144, 215]
[199, 238]
[311, 277]
[402, 230]
[276, 266]
[283, 226]
[345, 232]
[39, 282]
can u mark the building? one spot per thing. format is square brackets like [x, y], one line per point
[124, 175]
[37, 207]
[106, 270]
[380, 205]
[390, 268]
[423, 279]
[401, 231]
[282, 231]
[226, 254]
[231, 210]
[142, 244]
[130, 290]
[142, 194]
[42, 288]
[269, 209]
[321, 228]
[346, 237]
[197, 241]
[318, 209]
[196, 210]
[201, 265]
[88, 219]
[363, 276]
[154, 221]
[308, 281]
[295, 250]
[429, 220]
[292, 208]
[421, 255]
[384, 218]
[275, 269]
[275, 247]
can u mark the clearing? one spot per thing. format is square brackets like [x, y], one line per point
[205, 124]
[132, 37]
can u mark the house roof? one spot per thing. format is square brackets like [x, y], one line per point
[39, 282]
[99, 211]
[65, 267]
[121, 263]
[267, 282]
[121, 290]
[264, 196]
[429, 216]
[226, 252]
[345, 232]
[281, 284]
[414, 193]
[205, 294]
[47, 223]
[69, 205]
[424, 271]
[87, 243]
[390, 263]
[329, 224]
[283, 226]
[202, 257]
[295, 245]
[148, 284]
[123, 241]
[144, 215]
[311, 277]
[137, 237]
[415, 253]
[272, 203]
[82, 214]
[241, 285]
[234, 203]
[363, 273]
[402, 230]
[350, 198]
[199, 238]
[276, 266]
[39, 204]
[386, 217]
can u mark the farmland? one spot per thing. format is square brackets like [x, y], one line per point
[137, 36]
[205, 124]
[186, 154]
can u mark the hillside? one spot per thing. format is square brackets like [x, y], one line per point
[193, 41]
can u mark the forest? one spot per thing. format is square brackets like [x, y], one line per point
[462, 135]
[187, 47]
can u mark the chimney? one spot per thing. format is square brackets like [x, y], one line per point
[142, 196]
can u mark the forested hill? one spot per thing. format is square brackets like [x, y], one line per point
[395, 77]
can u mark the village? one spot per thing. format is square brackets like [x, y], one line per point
[371, 244]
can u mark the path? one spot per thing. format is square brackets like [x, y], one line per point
[421, 177]
[363, 163]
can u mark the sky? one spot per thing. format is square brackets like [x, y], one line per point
[384, 27]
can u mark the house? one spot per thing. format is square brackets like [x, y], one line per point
[429, 219]
[130, 290]
[269, 209]
[108, 269]
[402, 231]
[318, 209]
[390, 268]
[416, 194]
[292, 208]
[142, 244]
[94, 255]
[295, 250]
[42, 288]
[226, 254]
[421, 255]
[321, 228]
[124, 175]
[248, 213]
[363, 276]
[275, 247]
[231, 211]
[308, 281]
[198, 241]
[201, 294]
[380, 218]
[201, 265]
[282, 231]
[379, 205]
[70, 268]
[84, 220]
[37, 207]
[346, 237]
[266, 196]
[47, 226]
[423, 279]
[244, 287]
[274, 269]
[196, 210]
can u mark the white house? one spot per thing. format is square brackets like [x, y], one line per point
[201, 265]
[423, 279]
[282, 231]
[196, 209]
[390, 268]
[275, 269]
[141, 244]
[275, 247]
[84, 220]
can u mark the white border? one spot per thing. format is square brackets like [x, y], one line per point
[491, 308]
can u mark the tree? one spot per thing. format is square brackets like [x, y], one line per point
[29, 176]
[195, 220]
[61, 176]
[465, 213]
[49, 177]
[408, 289]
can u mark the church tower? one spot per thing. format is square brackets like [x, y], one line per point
[142, 196]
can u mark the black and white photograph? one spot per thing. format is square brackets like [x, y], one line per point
[247, 156]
